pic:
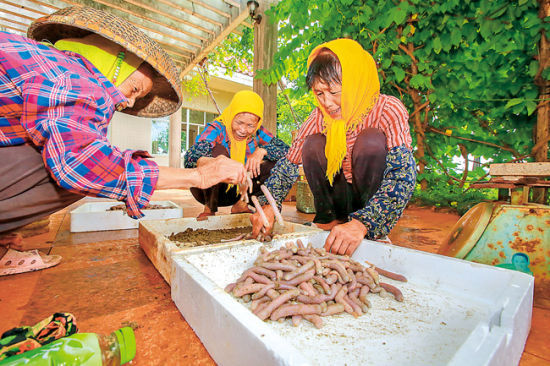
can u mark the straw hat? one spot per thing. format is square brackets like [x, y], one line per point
[78, 21]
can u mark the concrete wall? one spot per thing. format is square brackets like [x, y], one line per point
[130, 132]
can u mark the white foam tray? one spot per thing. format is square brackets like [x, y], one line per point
[454, 313]
[93, 216]
[153, 236]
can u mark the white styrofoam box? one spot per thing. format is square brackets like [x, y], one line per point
[454, 313]
[153, 236]
[93, 216]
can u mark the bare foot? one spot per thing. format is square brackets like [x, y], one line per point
[328, 226]
[240, 207]
[205, 214]
[12, 240]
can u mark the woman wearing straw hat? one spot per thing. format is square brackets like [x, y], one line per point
[355, 149]
[58, 92]
[237, 133]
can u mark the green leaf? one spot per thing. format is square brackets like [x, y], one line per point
[531, 107]
[400, 15]
[437, 45]
[485, 29]
[513, 102]
[456, 36]
[399, 73]
[446, 42]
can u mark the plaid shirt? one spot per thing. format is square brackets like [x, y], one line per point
[59, 102]
[215, 133]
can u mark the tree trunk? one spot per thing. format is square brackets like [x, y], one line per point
[265, 46]
[419, 127]
[543, 112]
[420, 138]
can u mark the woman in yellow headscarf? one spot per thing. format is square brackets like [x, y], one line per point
[355, 148]
[237, 133]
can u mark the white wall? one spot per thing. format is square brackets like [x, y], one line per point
[130, 132]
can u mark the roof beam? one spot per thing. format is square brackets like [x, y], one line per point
[143, 27]
[17, 15]
[23, 7]
[124, 12]
[43, 4]
[212, 19]
[212, 8]
[168, 15]
[232, 3]
[13, 28]
[14, 22]
[219, 38]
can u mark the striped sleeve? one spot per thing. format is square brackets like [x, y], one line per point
[394, 121]
[313, 125]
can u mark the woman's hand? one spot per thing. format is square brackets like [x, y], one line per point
[220, 169]
[209, 171]
[259, 231]
[254, 161]
[345, 238]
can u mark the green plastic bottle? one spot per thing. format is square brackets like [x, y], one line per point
[86, 349]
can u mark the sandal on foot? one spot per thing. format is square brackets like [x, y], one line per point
[205, 215]
[15, 261]
[240, 207]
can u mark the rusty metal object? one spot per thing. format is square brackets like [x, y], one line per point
[515, 237]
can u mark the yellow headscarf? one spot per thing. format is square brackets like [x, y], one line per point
[243, 101]
[360, 91]
[107, 60]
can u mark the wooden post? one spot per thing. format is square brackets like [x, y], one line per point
[543, 112]
[265, 45]
[174, 145]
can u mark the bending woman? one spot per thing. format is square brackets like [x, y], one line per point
[355, 149]
[236, 133]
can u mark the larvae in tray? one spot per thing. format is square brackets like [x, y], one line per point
[301, 282]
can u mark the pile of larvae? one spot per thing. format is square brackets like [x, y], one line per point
[309, 283]
[148, 207]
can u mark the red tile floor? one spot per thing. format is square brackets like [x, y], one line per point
[107, 282]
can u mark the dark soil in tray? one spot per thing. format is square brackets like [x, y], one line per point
[148, 207]
[197, 237]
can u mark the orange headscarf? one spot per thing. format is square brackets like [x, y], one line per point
[360, 91]
[243, 101]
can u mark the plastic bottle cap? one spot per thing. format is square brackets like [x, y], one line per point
[127, 344]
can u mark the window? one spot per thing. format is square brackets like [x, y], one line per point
[193, 123]
[159, 136]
